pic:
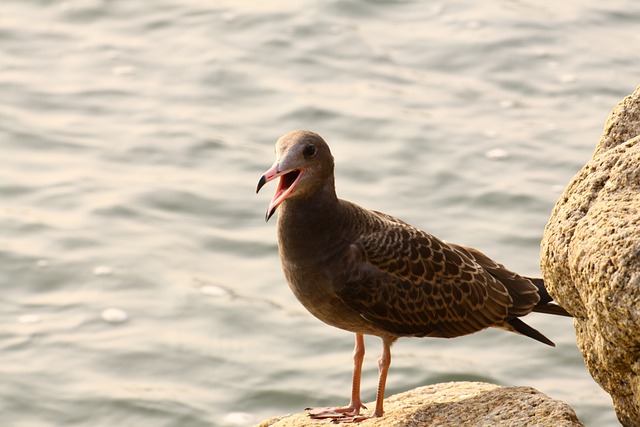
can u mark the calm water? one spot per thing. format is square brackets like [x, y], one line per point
[140, 284]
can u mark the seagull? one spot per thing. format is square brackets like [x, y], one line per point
[370, 273]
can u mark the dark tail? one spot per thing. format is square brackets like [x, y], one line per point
[546, 304]
[517, 325]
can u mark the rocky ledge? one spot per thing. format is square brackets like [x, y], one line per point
[590, 259]
[458, 404]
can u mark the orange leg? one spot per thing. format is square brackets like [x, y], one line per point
[351, 414]
[383, 367]
[358, 358]
[353, 410]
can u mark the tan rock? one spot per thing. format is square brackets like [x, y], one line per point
[590, 259]
[459, 404]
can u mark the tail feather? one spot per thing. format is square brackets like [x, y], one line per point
[546, 304]
[517, 325]
[552, 308]
[542, 290]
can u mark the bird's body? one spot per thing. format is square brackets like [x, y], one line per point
[372, 274]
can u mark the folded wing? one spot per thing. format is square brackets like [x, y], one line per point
[410, 283]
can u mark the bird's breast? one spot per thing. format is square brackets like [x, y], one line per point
[314, 286]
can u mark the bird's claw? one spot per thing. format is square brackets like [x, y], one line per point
[348, 414]
[356, 419]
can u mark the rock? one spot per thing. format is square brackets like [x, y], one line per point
[459, 404]
[590, 259]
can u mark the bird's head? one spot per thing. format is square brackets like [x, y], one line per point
[304, 165]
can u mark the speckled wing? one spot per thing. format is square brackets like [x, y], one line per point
[522, 291]
[408, 283]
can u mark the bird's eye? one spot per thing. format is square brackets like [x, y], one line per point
[309, 151]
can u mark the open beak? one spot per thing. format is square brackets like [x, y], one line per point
[286, 184]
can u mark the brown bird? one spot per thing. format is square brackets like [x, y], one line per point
[370, 273]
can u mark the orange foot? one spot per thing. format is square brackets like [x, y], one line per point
[348, 414]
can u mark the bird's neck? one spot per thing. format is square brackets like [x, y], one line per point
[310, 225]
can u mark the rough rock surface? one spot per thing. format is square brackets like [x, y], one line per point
[590, 259]
[459, 404]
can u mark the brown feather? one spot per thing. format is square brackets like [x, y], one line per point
[426, 286]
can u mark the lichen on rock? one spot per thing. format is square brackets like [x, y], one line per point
[590, 259]
[468, 404]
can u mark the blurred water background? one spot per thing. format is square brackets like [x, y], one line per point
[140, 285]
